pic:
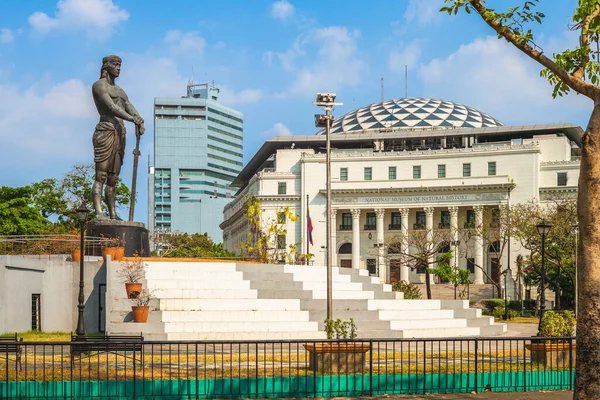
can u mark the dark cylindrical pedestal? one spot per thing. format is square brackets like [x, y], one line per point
[133, 234]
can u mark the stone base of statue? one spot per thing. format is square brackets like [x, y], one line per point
[134, 235]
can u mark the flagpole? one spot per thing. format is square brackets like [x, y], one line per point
[307, 230]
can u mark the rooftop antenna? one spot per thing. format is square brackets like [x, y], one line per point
[405, 81]
[382, 89]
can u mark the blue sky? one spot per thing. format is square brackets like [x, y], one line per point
[268, 57]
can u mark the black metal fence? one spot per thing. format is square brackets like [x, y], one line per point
[271, 369]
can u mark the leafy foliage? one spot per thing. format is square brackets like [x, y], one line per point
[132, 271]
[411, 291]
[186, 245]
[558, 324]
[338, 329]
[19, 214]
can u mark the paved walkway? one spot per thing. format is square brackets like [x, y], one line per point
[513, 330]
[549, 395]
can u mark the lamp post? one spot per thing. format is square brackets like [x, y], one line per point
[543, 228]
[327, 101]
[82, 215]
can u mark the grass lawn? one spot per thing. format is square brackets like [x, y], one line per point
[523, 320]
[35, 336]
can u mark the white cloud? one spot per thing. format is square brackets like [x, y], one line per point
[491, 75]
[97, 17]
[186, 43]
[6, 36]
[232, 98]
[282, 10]
[409, 55]
[423, 12]
[324, 59]
[278, 129]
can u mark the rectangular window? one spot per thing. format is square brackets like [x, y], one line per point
[281, 242]
[343, 174]
[36, 312]
[445, 220]
[470, 219]
[492, 168]
[371, 222]
[372, 266]
[416, 172]
[561, 179]
[281, 188]
[467, 169]
[421, 220]
[421, 268]
[368, 173]
[346, 222]
[471, 265]
[281, 217]
[392, 173]
[396, 221]
[441, 170]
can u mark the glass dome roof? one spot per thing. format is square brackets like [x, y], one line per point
[414, 114]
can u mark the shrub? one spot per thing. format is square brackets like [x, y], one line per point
[491, 304]
[498, 313]
[558, 324]
[338, 329]
[516, 305]
[411, 292]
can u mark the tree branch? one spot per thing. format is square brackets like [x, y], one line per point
[584, 41]
[573, 82]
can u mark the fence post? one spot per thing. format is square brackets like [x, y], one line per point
[476, 366]
[571, 364]
[424, 366]
[134, 377]
[256, 350]
[371, 367]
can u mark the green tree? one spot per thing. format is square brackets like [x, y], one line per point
[186, 245]
[19, 215]
[575, 69]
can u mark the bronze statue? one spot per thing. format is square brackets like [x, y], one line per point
[109, 137]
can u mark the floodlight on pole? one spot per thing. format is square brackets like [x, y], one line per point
[327, 102]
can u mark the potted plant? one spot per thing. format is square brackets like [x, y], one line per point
[140, 309]
[113, 247]
[555, 353]
[132, 273]
[341, 356]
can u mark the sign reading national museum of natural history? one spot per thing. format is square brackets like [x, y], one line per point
[449, 198]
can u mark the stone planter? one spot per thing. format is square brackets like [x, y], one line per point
[553, 355]
[116, 253]
[140, 313]
[337, 357]
[133, 289]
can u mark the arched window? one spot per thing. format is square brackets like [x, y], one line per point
[346, 248]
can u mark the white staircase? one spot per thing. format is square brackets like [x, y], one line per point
[224, 301]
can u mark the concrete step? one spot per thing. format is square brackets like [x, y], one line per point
[493, 330]
[480, 321]
[379, 304]
[242, 326]
[290, 285]
[440, 332]
[136, 327]
[338, 305]
[200, 274]
[336, 286]
[199, 284]
[205, 293]
[227, 316]
[345, 315]
[271, 335]
[177, 266]
[229, 304]
[364, 325]
[428, 324]
[411, 315]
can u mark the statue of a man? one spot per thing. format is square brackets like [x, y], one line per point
[109, 137]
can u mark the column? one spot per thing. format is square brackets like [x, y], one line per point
[355, 238]
[429, 226]
[454, 232]
[383, 271]
[333, 240]
[478, 246]
[404, 270]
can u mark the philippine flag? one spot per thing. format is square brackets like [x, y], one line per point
[310, 227]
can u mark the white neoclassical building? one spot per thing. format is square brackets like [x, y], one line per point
[399, 165]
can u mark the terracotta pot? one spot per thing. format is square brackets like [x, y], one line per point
[75, 255]
[133, 289]
[140, 313]
[116, 253]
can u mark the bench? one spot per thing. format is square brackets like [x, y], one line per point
[83, 347]
[10, 345]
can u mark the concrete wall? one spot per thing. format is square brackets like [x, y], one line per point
[57, 281]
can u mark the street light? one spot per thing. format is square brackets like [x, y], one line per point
[543, 228]
[82, 215]
[327, 101]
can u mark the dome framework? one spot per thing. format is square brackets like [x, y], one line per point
[414, 114]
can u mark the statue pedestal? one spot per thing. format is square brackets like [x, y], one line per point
[133, 234]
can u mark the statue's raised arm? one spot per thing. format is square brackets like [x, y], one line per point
[110, 136]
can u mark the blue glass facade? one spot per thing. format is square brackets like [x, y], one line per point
[198, 146]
